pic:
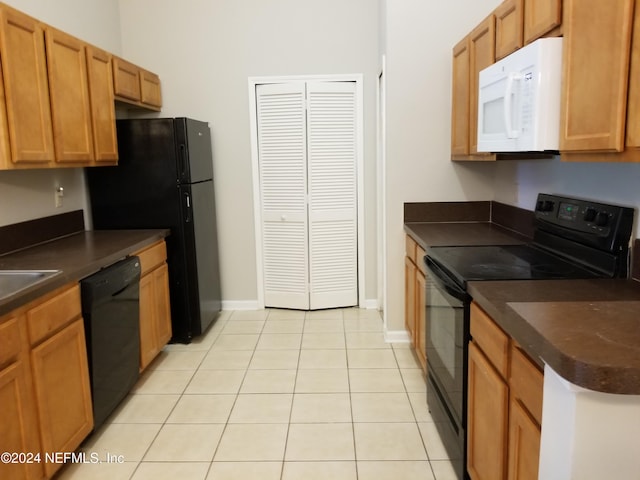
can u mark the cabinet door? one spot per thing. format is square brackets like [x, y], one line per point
[540, 17]
[63, 392]
[488, 397]
[126, 79]
[460, 100]
[18, 416]
[69, 92]
[163, 306]
[596, 50]
[410, 298]
[509, 27]
[482, 54]
[155, 314]
[633, 99]
[103, 112]
[24, 69]
[524, 444]
[421, 339]
[150, 91]
[148, 342]
[18, 428]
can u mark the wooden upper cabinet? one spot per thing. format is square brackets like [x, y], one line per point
[136, 85]
[596, 51]
[482, 53]
[460, 100]
[150, 91]
[540, 17]
[69, 93]
[103, 113]
[24, 69]
[509, 27]
[632, 139]
[126, 79]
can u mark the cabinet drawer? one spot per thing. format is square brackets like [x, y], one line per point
[491, 339]
[527, 383]
[53, 314]
[9, 340]
[410, 248]
[152, 257]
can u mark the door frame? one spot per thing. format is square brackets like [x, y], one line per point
[253, 82]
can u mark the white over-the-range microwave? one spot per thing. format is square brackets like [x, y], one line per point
[519, 100]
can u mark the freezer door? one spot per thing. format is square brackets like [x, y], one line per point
[194, 154]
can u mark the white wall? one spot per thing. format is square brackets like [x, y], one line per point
[518, 183]
[419, 37]
[30, 194]
[205, 51]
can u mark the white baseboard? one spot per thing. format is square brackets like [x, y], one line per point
[396, 336]
[240, 305]
[370, 304]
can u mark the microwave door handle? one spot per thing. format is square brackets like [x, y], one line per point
[508, 125]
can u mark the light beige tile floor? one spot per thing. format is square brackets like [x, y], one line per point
[275, 395]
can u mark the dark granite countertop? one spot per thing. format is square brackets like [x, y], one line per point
[461, 233]
[77, 256]
[556, 323]
[588, 331]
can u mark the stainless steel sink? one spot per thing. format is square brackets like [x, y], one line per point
[14, 281]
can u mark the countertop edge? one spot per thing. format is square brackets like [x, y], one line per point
[144, 239]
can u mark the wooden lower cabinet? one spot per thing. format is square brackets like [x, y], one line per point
[63, 391]
[524, 443]
[414, 299]
[45, 392]
[488, 404]
[504, 405]
[155, 308]
[19, 430]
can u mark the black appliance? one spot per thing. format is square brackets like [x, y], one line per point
[164, 179]
[111, 312]
[573, 238]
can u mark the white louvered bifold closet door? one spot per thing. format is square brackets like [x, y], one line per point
[308, 186]
[333, 222]
[282, 158]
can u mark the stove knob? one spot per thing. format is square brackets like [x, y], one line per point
[602, 219]
[590, 214]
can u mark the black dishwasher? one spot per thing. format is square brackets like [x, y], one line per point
[111, 311]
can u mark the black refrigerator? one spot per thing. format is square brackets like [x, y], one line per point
[164, 179]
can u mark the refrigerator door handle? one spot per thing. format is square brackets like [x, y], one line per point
[183, 161]
[187, 198]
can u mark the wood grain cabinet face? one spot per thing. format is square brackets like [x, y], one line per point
[150, 91]
[18, 418]
[540, 17]
[24, 70]
[504, 405]
[487, 423]
[69, 94]
[460, 101]
[126, 79]
[509, 27]
[481, 54]
[596, 52]
[155, 307]
[103, 112]
[63, 391]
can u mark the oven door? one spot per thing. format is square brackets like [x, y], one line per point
[447, 332]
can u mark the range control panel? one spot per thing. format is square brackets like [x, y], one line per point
[584, 217]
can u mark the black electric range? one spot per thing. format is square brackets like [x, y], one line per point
[573, 238]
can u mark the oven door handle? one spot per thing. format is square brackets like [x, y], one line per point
[439, 276]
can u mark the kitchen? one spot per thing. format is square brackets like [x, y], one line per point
[416, 39]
